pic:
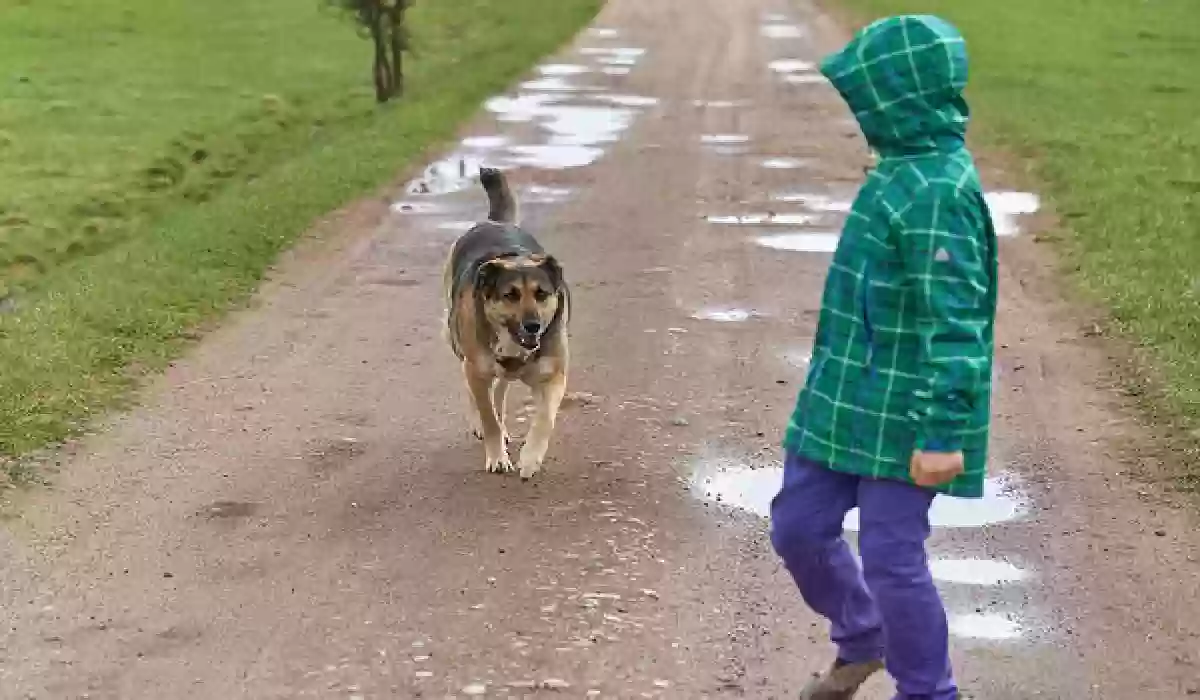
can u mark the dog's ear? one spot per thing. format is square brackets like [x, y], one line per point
[488, 276]
[553, 270]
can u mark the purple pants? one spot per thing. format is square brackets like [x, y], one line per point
[889, 608]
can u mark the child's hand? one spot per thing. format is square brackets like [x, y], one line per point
[930, 469]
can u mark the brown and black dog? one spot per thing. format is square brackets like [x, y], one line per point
[507, 309]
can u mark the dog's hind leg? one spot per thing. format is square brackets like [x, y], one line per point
[548, 396]
[500, 404]
[494, 450]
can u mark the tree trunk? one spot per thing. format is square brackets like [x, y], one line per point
[384, 80]
[396, 14]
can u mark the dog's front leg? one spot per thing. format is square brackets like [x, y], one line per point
[500, 402]
[495, 453]
[548, 396]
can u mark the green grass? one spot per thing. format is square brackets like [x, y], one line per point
[156, 156]
[1100, 99]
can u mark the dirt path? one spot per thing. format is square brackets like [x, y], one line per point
[299, 510]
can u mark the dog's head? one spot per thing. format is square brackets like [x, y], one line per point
[520, 299]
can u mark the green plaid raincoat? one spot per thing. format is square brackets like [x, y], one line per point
[903, 353]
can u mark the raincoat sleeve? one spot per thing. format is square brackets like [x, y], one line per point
[945, 258]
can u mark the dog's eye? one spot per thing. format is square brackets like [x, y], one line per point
[541, 295]
[513, 295]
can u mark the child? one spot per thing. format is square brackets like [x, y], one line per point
[896, 404]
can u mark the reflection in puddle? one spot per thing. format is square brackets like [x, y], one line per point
[539, 194]
[984, 626]
[804, 78]
[799, 359]
[616, 70]
[801, 242]
[976, 572]
[791, 65]
[453, 173]
[999, 505]
[779, 30]
[756, 219]
[554, 157]
[775, 17]
[720, 481]
[629, 100]
[460, 226]
[484, 143]
[724, 139]
[719, 104]
[603, 32]
[554, 83]
[752, 488]
[784, 163]
[408, 206]
[585, 126]
[1006, 207]
[621, 51]
[562, 69]
[813, 202]
[725, 315]
[617, 60]
[522, 108]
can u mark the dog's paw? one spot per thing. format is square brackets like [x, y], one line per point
[529, 465]
[498, 465]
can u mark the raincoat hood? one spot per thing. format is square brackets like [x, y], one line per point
[903, 77]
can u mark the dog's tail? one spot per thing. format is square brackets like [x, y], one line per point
[502, 205]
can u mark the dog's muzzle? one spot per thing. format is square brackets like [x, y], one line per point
[528, 336]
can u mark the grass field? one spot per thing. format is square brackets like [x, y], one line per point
[1101, 98]
[155, 157]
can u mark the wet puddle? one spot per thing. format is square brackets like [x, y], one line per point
[540, 194]
[801, 242]
[1000, 504]
[522, 108]
[453, 173]
[457, 226]
[562, 69]
[616, 70]
[622, 55]
[804, 78]
[766, 219]
[554, 157]
[725, 314]
[629, 100]
[720, 104]
[792, 65]
[784, 163]
[798, 359]
[976, 572]
[751, 489]
[484, 143]
[984, 626]
[603, 32]
[782, 30]
[814, 202]
[555, 83]
[409, 206]
[724, 139]
[1008, 207]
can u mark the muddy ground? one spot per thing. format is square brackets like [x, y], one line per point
[300, 511]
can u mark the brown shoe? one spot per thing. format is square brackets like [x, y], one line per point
[840, 682]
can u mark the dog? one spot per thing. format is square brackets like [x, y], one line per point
[507, 312]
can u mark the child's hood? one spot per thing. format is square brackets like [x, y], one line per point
[903, 77]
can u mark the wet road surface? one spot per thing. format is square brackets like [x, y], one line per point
[298, 510]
